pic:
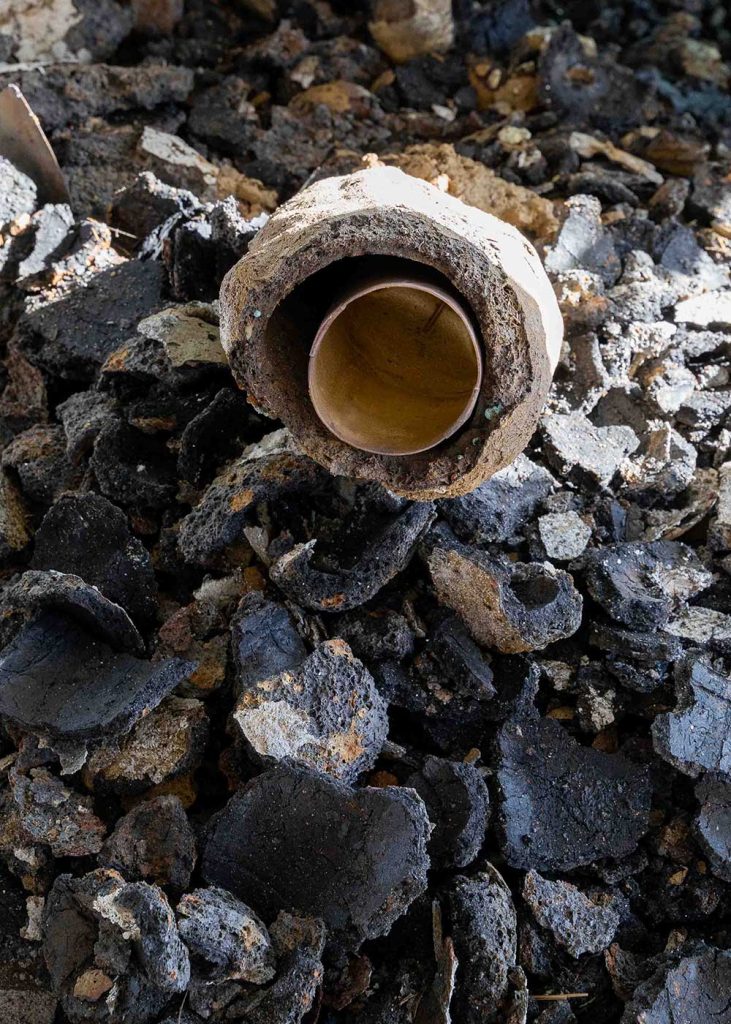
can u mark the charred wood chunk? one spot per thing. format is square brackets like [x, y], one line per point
[59, 680]
[155, 843]
[302, 842]
[563, 805]
[385, 556]
[482, 923]
[640, 585]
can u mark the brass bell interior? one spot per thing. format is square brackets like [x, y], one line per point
[395, 367]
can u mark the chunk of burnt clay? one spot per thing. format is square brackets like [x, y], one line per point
[326, 715]
[226, 939]
[499, 508]
[694, 989]
[58, 679]
[713, 823]
[88, 536]
[55, 816]
[482, 924]
[579, 923]
[458, 805]
[377, 635]
[561, 804]
[386, 555]
[112, 949]
[154, 842]
[512, 606]
[640, 585]
[293, 840]
[271, 468]
[68, 595]
[694, 737]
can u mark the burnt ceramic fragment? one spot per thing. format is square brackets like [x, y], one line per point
[369, 847]
[52, 662]
[561, 804]
[154, 842]
[458, 805]
[87, 536]
[696, 986]
[577, 921]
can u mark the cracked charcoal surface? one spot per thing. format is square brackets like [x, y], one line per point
[694, 736]
[51, 662]
[640, 585]
[563, 805]
[369, 847]
[458, 804]
[560, 635]
[578, 922]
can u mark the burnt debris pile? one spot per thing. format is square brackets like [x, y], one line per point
[282, 743]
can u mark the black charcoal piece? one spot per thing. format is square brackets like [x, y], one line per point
[264, 472]
[458, 805]
[88, 536]
[563, 805]
[214, 436]
[112, 949]
[713, 823]
[481, 922]
[57, 679]
[265, 640]
[640, 585]
[500, 508]
[651, 646]
[378, 635]
[226, 940]
[68, 595]
[18, 193]
[133, 468]
[154, 842]
[83, 415]
[73, 336]
[578, 922]
[695, 736]
[146, 204]
[55, 816]
[511, 606]
[694, 989]
[165, 744]
[292, 840]
[385, 555]
[37, 459]
[326, 714]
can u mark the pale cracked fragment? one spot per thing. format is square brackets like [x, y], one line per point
[53, 815]
[512, 606]
[578, 449]
[564, 535]
[326, 715]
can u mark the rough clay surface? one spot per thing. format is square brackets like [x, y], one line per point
[292, 840]
[578, 922]
[384, 211]
[563, 805]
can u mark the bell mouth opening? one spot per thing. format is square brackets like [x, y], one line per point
[396, 366]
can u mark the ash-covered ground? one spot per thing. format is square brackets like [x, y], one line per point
[266, 757]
